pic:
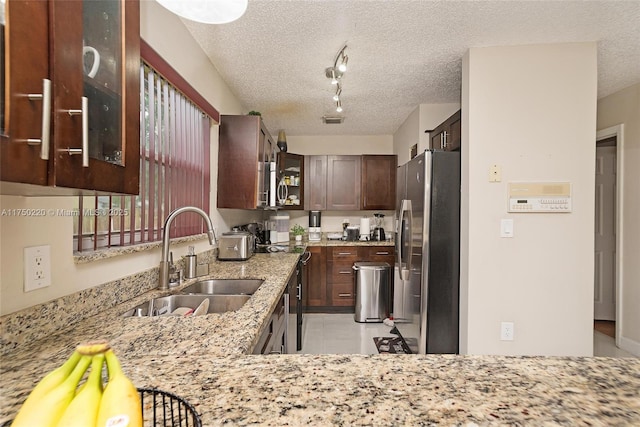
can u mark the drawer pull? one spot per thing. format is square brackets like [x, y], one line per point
[345, 253]
[382, 253]
[344, 272]
[344, 295]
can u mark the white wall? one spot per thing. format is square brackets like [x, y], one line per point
[182, 52]
[406, 136]
[340, 144]
[623, 107]
[531, 110]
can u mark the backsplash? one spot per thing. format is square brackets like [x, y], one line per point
[63, 313]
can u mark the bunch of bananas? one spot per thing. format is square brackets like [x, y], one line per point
[58, 401]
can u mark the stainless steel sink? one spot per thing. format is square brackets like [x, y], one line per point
[167, 305]
[224, 287]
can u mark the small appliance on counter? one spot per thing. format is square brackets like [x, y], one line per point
[279, 228]
[315, 231]
[353, 233]
[365, 228]
[378, 231]
[236, 246]
[255, 228]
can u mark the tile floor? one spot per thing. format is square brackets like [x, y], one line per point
[340, 334]
[604, 345]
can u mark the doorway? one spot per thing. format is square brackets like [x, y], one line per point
[607, 230]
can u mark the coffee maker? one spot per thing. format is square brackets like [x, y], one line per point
[315, 231]
[378, 231]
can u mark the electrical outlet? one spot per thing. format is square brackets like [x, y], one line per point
[37, 267]
[506, 331]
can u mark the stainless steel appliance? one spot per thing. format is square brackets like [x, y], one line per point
[255, 228]
[236, 246]
[378, 231]
[426, 289]
[315, 230]
[372, 291]
[297, 293]
[353, 233]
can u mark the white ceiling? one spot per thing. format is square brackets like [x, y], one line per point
[402, 53]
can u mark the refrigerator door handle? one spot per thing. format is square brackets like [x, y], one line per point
[404, 256]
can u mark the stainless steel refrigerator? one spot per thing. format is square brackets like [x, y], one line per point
[427, 282]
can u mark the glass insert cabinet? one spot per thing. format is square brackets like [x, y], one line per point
[71, 105]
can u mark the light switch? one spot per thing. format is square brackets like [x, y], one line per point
[495, 173]
[506, 228]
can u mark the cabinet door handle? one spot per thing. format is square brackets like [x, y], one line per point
[344, 272]
[344, 295]
[84, 112]
[45, 96]
[442, 141]
[444, 144]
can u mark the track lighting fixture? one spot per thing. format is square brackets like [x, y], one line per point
[336, 73]
[336, 97]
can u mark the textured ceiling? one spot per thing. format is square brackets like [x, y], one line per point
[401, 53]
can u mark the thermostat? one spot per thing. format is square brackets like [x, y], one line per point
[549, 197]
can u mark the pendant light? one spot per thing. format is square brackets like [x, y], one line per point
[207, 11]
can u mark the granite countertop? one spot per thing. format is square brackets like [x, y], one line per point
[207, 361]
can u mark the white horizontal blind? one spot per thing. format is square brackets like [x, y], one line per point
[174, 172]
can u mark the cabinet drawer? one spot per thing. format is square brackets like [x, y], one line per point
[344, 253]
[380, 254]
[342, 294]
[341, 272]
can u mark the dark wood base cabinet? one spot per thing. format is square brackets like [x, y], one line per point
[331, 277]
[273, 339]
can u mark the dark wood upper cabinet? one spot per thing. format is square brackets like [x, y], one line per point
[350, 183]
[379, 182]
[72, 68]
[245, 155]
[315, 183]
[291, 180]
[343, 183]
[448, 135]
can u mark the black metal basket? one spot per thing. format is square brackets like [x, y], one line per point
[161, 408]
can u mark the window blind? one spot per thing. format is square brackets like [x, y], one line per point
[174, 172]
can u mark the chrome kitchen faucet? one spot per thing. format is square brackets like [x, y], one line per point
[164, 264]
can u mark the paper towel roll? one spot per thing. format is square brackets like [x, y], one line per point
[365, 226]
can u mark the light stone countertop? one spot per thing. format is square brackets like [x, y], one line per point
[205, 360]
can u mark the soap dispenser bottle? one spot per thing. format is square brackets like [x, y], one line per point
[191, 264]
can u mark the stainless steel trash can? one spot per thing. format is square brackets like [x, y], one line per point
[373, 280]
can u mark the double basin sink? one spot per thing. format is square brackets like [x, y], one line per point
[223, 295]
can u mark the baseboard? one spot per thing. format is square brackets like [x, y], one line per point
[630, 345]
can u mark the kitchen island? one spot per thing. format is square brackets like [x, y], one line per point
[206, 360]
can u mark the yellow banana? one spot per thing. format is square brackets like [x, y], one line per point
[120, 404]
[83, 409]
[93, 348]
[48, 409]
[49, 382]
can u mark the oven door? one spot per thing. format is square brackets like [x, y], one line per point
[301, 297]
[292, 321]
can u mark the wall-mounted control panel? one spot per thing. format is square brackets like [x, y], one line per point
[549, 197]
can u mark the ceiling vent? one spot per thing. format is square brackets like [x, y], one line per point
[332, 120]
